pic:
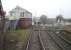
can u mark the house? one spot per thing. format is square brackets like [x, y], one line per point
[23, 16]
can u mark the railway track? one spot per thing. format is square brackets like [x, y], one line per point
[62, 36]
[48, 42]
[64, 45]
[34, 41]
[44, 39]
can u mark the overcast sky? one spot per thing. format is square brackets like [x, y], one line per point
[51, 8]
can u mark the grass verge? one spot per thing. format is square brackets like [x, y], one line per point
[21, 35]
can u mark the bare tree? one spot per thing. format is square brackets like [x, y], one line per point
[59, 18]
[43, 19]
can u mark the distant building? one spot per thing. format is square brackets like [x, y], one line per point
[51, 20]
[24, 17]
[35, 20]
[67, 21]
